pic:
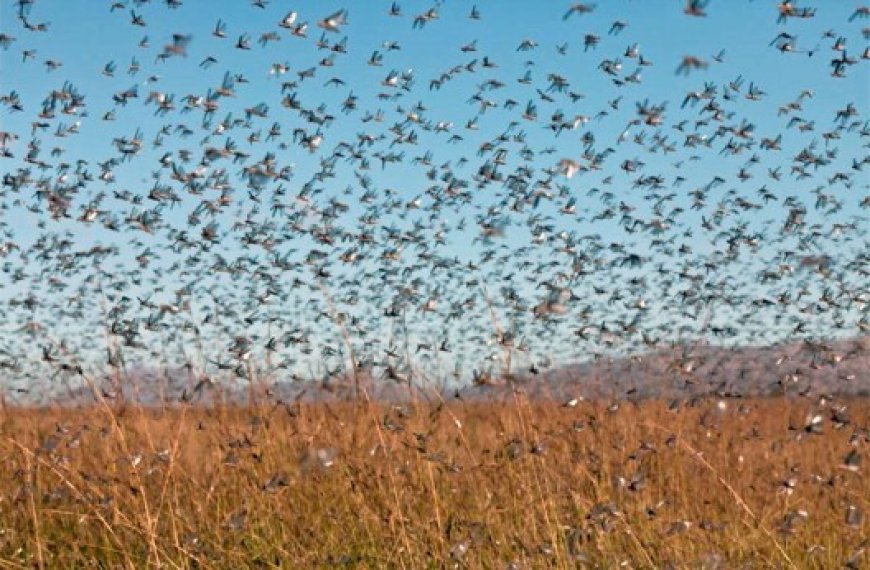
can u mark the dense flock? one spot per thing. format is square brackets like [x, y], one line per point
[237, 194]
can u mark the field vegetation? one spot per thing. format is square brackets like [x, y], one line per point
[520, 483]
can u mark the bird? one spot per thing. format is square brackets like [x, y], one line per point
[334, 21]
[696, 8]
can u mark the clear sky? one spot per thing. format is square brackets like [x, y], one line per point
[736, 41]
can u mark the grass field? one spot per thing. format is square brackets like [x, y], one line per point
[517, 484]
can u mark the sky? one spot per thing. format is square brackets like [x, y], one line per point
[87, 36]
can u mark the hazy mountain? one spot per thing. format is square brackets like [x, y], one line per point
[836, 368]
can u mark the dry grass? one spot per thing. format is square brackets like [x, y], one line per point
[483, 485]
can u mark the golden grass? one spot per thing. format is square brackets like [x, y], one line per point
[483, 485]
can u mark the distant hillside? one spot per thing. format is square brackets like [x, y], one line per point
[835, 368]
[841, 368]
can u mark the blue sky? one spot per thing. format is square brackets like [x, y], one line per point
[86, 36]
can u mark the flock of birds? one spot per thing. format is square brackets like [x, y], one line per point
[294, 203]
